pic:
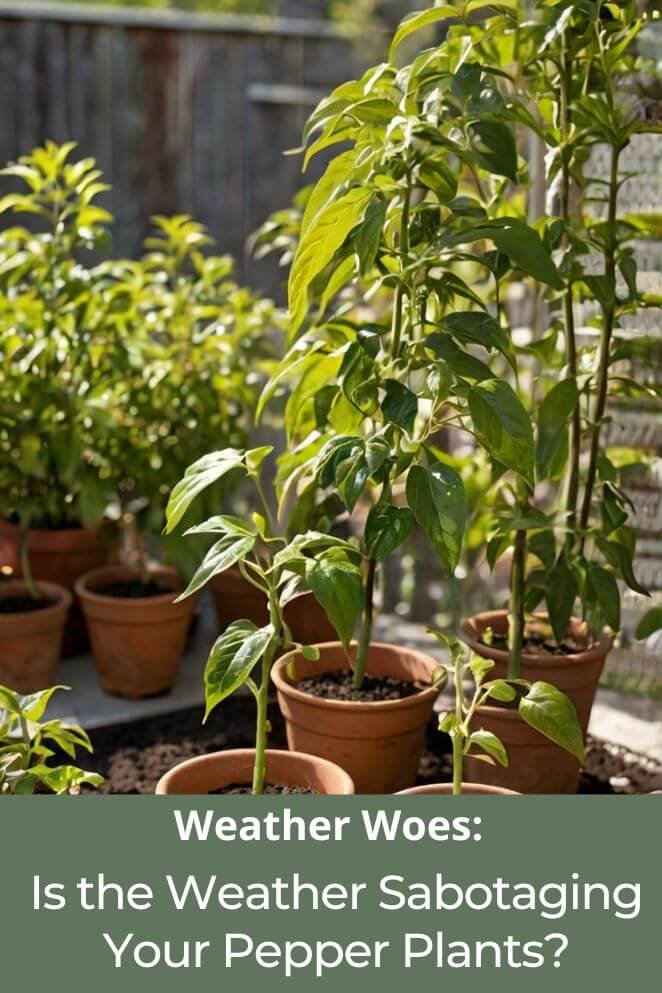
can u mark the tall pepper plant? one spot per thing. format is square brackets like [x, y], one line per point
[414, 205]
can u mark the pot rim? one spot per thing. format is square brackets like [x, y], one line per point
[468, 632]
[282, 683]
[248, 754]
[53, 536]
[470, 789]
[116, 571]
[64, 599]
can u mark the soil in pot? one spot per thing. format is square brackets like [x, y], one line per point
[232, 771]
[275, 789]
[31, 633]
[378, 741]
[58, 555]
[535, 764]
[138, 632]
[235, 599]
[572, 668]
[339, 685]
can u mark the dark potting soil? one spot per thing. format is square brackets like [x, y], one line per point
[23, 604]
[132, 589]
[374, 689]
[536, 643]
[133, 757]
[275, 789]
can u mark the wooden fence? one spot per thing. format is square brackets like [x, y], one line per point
[185, 113]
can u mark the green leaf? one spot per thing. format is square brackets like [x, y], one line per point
[560, 594]
[458, 361]
[503, 426]
[552, 714]
[324, 236]
[386, 528]
[502, 691]
[480, 667]
[553, 416]
[223, 524]
[221, 556]
[368, 236]
[518, 241]
[197, 478]
[476, 327]
[399, 405]
[436, 497]
[649, 623]
[602, 589]
[497, 151]
[336, 585]
[232, 659]
[33, 706]
[490, 744]
[620, 557]
[417, 20]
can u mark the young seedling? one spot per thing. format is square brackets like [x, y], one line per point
[540, 704]
[244, 654]
[26, 744]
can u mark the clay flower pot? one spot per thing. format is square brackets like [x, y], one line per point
[236, 599]
[379, 743]
[207, 773]
[59, 556]
[31, 641]
[575, 675]
[137, 643]
[471, 789]
[535, 764]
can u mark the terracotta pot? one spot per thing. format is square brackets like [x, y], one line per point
[471, 789]
[378, 743]
[31, 641]
[212, 772]
[137, 643]
[59, 556]
[535, 764]
[235, 599]
[575, 675]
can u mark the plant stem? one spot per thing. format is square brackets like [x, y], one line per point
[458, 737]
[261, 727]
[366, 624]
[574, 430]
[271, 524]
[26, 571]
[398, 304]
[517, 590]
[608, 321]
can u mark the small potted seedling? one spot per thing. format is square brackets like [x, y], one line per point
[244, 653]
[540, 705]
[27, 743]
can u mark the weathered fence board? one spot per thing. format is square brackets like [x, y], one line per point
[185, 113]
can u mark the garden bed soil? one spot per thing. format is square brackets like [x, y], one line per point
[23, 604]
[133, 757]
[338, 685]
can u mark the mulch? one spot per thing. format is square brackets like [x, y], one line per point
[132, 757]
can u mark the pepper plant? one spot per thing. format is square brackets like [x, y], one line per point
[580, 64]
[415, 207]
[27, 742]
[540, 705]
[244, 654]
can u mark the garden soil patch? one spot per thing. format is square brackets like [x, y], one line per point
[23, 604]
[133, 757]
